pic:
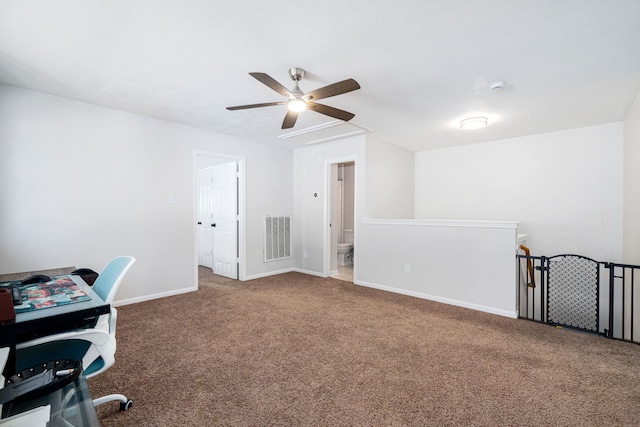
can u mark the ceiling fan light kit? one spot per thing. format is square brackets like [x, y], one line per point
[474, 123]
[298, 101]
[297, 105]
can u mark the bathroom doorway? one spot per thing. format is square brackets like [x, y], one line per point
[342, 211]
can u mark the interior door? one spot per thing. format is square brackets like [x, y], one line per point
[225, 219]
[205, 218]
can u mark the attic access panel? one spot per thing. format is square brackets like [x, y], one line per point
[325, 132]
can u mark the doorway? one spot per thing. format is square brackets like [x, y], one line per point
[219, 211]
[341, 212]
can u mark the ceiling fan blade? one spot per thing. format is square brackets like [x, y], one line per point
[332, 90]
[265, 104]
[289, 119]
[330, 111]
[273, 84]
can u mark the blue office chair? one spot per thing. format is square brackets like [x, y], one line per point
[108, 281]
[95, 346]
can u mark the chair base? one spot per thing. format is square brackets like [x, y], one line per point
[125, 404]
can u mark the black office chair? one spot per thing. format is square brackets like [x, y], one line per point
[88, 275]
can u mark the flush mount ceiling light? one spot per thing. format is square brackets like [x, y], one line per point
[474, 123]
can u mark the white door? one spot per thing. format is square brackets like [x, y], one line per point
[205, 217]
[225, 219]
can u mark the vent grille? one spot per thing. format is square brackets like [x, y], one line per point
[277, 238]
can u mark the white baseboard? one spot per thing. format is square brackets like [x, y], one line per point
[153, 296]
[458, 303]
[309, 272]
[268, 273]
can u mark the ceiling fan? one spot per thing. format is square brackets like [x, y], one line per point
[299, 101]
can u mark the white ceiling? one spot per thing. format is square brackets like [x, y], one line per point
[422, 65]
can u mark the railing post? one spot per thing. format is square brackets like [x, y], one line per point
[610, 267]
[544, 298]
[518, 284]
[632, 315]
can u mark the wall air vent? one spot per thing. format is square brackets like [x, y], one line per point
[277, 238]
[325, 132]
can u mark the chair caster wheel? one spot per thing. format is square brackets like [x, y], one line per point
[125, 406]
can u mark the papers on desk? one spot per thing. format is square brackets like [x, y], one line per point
[61, 290]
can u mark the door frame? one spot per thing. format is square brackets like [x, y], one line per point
[241, 194]
[328, 200]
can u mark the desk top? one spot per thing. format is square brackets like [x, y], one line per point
[30, 324]
[61, 290]
[94, 303]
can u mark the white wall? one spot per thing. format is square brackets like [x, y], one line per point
[311, 178]
[465, 263]
[348, 185]
[632, 184]
[390, 180]
[450, 263]
[564, 187]
[81, 184]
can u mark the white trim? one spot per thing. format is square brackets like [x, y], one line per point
[153, 296]
[283, 271]
[242, 219]
[444, 223]
[309, 272]
[458, 303]
[286, 270]
[268, 273]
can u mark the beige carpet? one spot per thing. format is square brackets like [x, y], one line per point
[298, 350]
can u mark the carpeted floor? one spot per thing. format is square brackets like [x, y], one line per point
[298, 350]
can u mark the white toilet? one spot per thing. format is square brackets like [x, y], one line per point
[344, 253]
[345, 250]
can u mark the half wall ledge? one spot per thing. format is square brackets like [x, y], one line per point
[445, 223]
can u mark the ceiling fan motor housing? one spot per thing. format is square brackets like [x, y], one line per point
[296, 74]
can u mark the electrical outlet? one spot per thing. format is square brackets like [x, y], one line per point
[407, 268]
[305, 254]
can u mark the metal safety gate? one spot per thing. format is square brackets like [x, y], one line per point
[578, 292]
